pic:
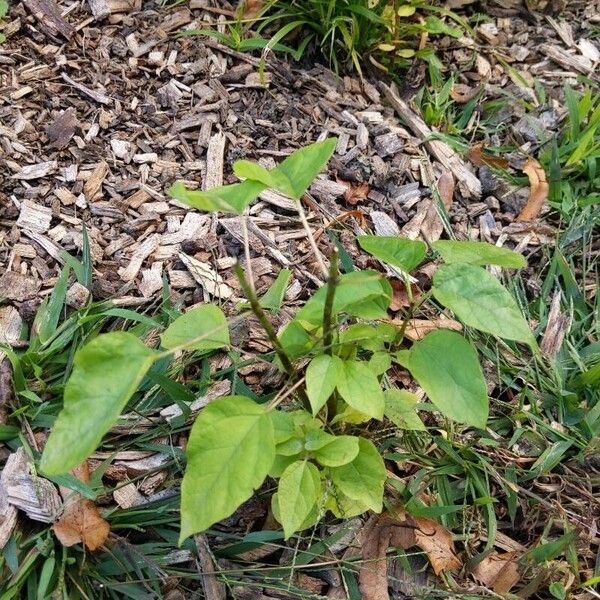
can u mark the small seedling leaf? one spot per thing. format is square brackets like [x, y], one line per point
[322, 376]
[297, 494]
[339, 451]
[202, 328]
[398, 252]
[478, 253]
[445, 365]
[230, 451]
[106, 373]
[360, 388]
[479, 300]
[363, 478]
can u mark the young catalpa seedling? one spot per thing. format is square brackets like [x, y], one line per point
[343, 336]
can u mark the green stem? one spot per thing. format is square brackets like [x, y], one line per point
[260, 314]
[332, 282]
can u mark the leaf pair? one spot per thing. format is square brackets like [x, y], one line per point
[107, 372]
[356, 383]
[291, 178]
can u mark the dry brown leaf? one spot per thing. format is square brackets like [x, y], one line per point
[462, 93]
[81, 521]
[401, 531]
[251, 8]
[445, 187]
[478, 158]
[538, 190]
[400, 297]
[498, 572]
[357, 193]
[436, 541]
[417, 329]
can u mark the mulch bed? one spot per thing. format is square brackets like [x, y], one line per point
[102, 108]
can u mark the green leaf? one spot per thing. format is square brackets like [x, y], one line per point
[48, 315]
[478, 253]
[284, 427]
[342, 506]
[228, 198]
[3, 8]
[298, 492]
[338, 451]
[364, 477]
[295, 340]
[380, 362]
[479, 300]
[230, 451]
[445, 365]
[360, 388]
[352, 295]
[203, 328]
[273, 297]
[106, 373]
[322, 376]
[295, 174]
[400, 409]
[398, 252]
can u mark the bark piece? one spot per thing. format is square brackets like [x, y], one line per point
[100, 8]
[48, 14]
[15, 286]
[207, 277]
[144, 250]
[37, 170]
[34, 217]
[94, 95]
[214, 161]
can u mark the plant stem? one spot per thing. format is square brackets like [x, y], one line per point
[311, 239]
[244, 223]
[332, 281]
[260, 314]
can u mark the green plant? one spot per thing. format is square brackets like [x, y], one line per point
[311, 436]
[3, 13]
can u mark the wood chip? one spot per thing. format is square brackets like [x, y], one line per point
[15, 286]
[38, 170]
[214, 161]
[34, 217]
[48, 14]
[94, 182]
[143, 251]
[128, 496]
[62, 129]
[221, 388]
[207, 277]
[94, 95]
[11, 324]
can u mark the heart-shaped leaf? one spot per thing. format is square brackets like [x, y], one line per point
[400, 409]
[106, 373]
[298, 492]
[322, 376]
[203, 328]
[479, 300]
[445, 365]
[230, 451]
[360, 388]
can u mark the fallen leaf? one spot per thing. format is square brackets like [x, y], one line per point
[400, 297]
[445, 187]
[251, 8]
[379, 533]
[538, 192]
[357, 193]
[400, 530]
[478, 158]
[81, 521]
[462, 93]
[417, 329]
[498, 572]
[436, 541]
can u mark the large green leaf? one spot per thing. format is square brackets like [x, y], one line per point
[322, 376]
[106, 373]
[400, 409]
[364, 477]
[203, 328]
[360, 388]
[298, 492]
[230, 451]
[228, 198]
[479, 300]
[478, 253]
[295, 174]
[445, 365]
[398, 252]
